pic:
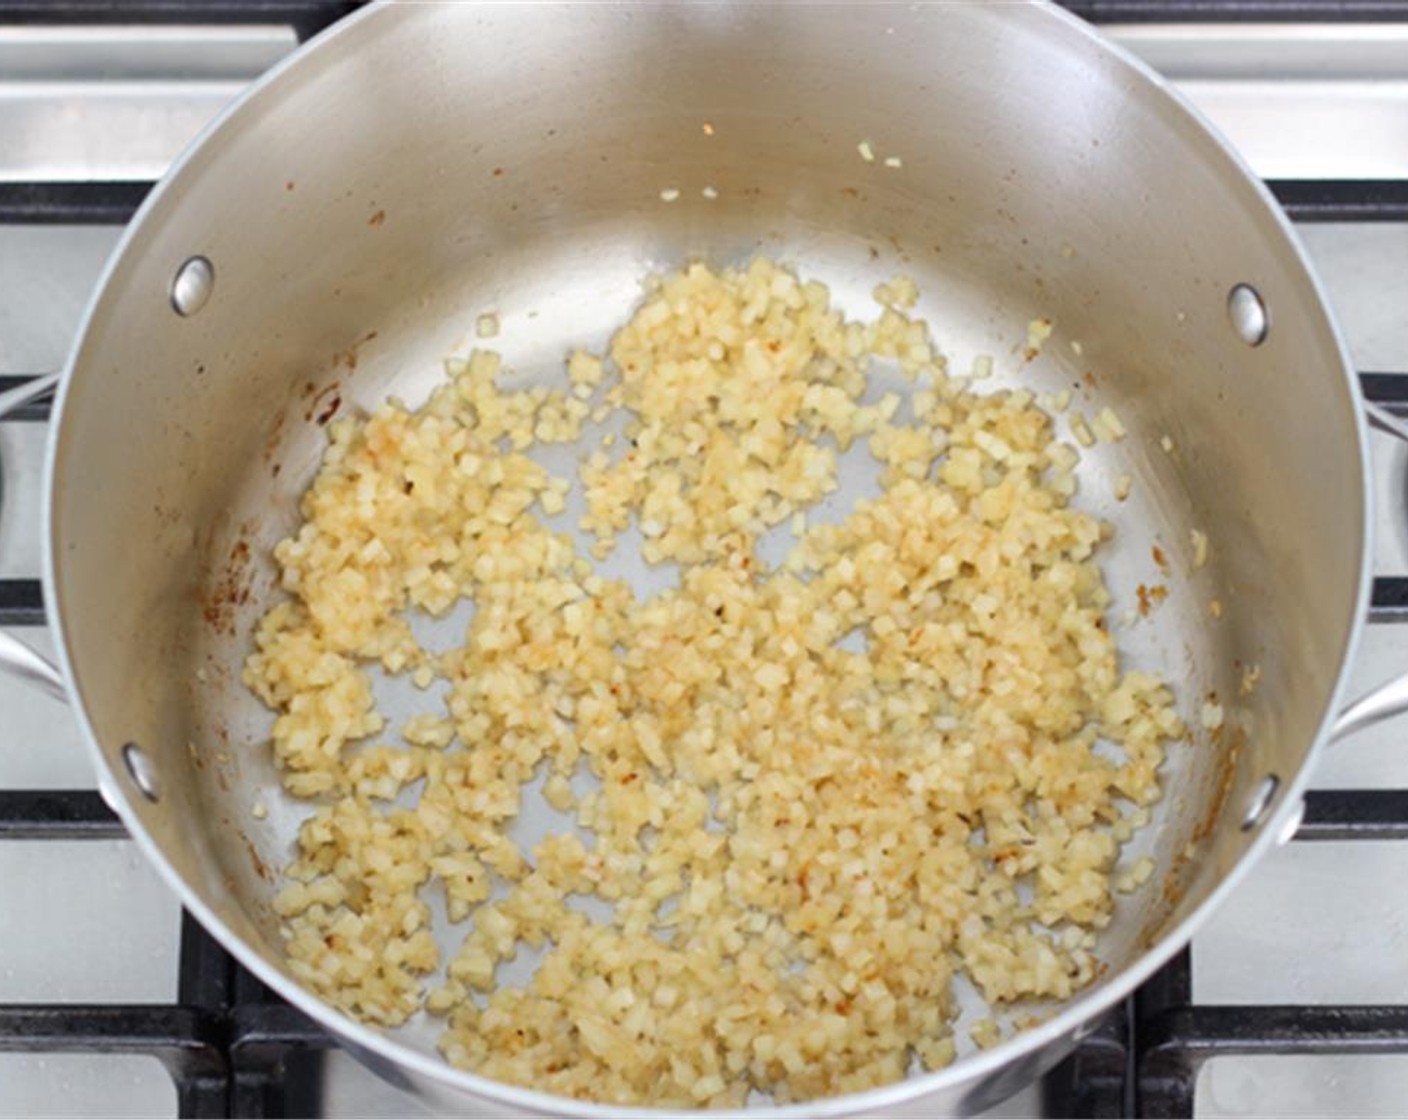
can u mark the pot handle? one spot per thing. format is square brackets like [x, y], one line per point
[1389, 699]
[17, 659]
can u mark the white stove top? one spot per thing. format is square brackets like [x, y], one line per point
[88, 921]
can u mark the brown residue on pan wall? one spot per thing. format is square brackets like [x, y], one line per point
[230, 588]
[272, 440]
[1175, 883]
[349, 356]
[1236, 739]
[324, 406]
[260, 867]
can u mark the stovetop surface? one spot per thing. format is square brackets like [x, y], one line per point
[1316, 939]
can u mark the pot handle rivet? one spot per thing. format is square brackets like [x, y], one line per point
[191, 288]
[1246, 311]
[141, 771]
[1260, 803]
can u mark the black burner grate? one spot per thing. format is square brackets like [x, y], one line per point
[233, 1048]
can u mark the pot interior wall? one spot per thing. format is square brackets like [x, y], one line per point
[360, 211]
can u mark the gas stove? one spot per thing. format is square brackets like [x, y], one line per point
[1293, 1001]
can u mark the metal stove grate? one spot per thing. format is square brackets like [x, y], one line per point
[232, 1048]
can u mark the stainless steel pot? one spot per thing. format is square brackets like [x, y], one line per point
[332, 236]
